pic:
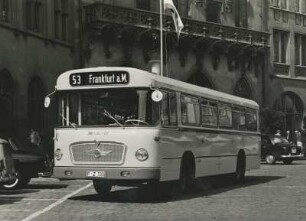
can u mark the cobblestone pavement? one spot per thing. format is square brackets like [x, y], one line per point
[276, 192]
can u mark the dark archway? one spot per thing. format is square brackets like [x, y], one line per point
[199, 79]
[243, 89]
[6, 103]
[36, 111]
[291, 105]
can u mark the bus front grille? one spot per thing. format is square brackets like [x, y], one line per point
[99, 152]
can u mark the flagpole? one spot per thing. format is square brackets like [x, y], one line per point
[161, 37]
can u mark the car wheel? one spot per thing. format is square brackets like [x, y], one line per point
[287, 161]
[21, 181]
[270, 158]
[102, 187]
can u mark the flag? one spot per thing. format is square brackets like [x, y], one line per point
[168, 4]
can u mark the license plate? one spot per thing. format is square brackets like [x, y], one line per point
[95, 174]
[293, 150]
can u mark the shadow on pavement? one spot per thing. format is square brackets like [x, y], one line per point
[168, 192]
[31, 188]
[45, 186]
[16, 192]
[9, 200]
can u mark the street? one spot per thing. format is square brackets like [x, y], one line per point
[274, 192]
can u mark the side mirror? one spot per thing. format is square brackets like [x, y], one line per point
[47, 102]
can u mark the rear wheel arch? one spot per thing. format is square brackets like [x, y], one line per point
[188, 159]
[187, 172]
[241, 157]
[240, 167]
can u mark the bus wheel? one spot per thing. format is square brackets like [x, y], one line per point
[186, 181]
[102, 187]
[240, 169]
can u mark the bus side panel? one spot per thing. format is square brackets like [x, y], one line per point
[219, 154]
[252, 150]
[214, 153]
[174, 143]
[170, 150]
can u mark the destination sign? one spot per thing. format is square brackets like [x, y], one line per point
[99, 78]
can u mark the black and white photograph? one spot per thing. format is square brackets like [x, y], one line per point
[162, 110]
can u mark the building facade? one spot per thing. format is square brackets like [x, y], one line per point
[222, 41]
[250, 48]
[37, 43]
[287, 80]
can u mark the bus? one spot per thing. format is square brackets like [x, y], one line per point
[123, 126]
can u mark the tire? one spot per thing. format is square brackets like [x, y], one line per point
[102, 187]
[287, 161]
[240, 170]
[186, 181]
[20, 182]
[270, 158]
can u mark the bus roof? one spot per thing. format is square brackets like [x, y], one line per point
[141, 78]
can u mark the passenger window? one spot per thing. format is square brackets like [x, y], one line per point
[251, 120]
[190, 111]
[238, 118]
[225, 116]
[165, 109]
[172, 109]
[208, 114]
[169, 109]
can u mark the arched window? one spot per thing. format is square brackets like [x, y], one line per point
[198, 78]
[292, 106]
[243, 89]
[36, 94]
[6, 103]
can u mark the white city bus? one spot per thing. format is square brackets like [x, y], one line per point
[122, 125]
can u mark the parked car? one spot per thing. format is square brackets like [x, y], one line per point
[277, 148]
[7, 171]
[28, 163]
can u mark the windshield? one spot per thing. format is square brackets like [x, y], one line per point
[276, 140]
[107, 107]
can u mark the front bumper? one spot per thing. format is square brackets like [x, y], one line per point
[109, 173]
[292, 156]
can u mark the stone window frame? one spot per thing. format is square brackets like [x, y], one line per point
[280, 46]
[61, 17]
[5, 11]
[34, 15]
[300, 49]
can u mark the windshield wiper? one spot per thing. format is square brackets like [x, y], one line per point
[74, 125]
[111, 117]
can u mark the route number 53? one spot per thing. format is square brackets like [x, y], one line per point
[76, 79]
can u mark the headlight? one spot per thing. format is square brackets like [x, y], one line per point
[58, 154]
[142, 154]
